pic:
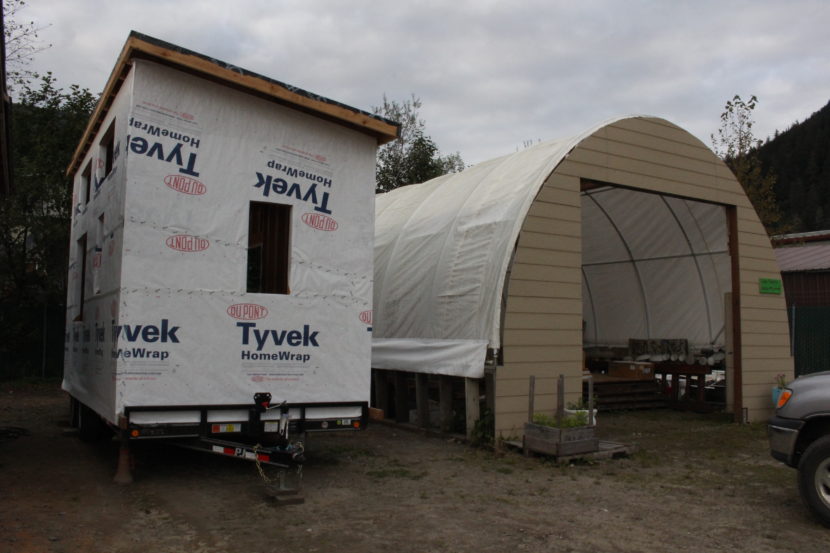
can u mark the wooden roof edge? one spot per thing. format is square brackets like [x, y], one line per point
[145, 47]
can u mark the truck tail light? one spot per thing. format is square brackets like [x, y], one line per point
[783, 398]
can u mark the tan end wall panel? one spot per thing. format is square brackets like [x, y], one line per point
[542, 333]
[650, 155]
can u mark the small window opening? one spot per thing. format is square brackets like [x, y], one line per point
[101, 236]
[108, 148]
[81, 256]
[98, 256]
[86, 177]
[269, 233]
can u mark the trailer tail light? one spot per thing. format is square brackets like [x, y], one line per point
[135, 433]
[224, 428]
[356, 424]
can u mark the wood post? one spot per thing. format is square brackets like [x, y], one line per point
[445, 399]
[560, 399]
[472, 394]
[401, 397]
[490, 389]
[381, 390]
[531, 400]
[422, 399]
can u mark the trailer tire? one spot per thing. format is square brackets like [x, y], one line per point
[91, 427]
[74, 412]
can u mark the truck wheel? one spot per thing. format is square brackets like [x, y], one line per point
[91, 428]
[814, 479]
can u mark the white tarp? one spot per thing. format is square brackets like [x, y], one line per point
[171, 322]
[652, 267]
[443, 247]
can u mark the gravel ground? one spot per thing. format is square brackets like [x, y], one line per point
[696, 483]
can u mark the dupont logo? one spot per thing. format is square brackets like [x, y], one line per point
[366, 317]
[187, 243]
[247, 311]
[185, 185]
[320, 222]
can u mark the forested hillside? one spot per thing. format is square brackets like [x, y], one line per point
[800, 157]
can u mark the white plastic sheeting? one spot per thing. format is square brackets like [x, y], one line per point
[652, 267]
[655, 267]
[442, 250]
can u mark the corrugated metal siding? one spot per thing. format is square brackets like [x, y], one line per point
[651, 155]
[807, 289]
[803, 258]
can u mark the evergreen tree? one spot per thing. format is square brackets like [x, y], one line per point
[800, 156]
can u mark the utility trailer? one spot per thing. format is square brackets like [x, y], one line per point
[220, 271]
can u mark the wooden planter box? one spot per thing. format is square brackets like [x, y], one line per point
[560, 441]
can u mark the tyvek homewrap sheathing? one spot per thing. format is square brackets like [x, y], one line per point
[167, 319]
[443, 249]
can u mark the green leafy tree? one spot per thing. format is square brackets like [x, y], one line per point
[47, 123]
[413, 157]
[737, 146]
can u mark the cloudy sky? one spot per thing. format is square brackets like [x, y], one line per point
[491, 74]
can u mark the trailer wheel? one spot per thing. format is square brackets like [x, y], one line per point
[91, 428]
[74, 412]
[814, 479]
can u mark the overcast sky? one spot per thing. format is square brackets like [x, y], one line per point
[490, 74]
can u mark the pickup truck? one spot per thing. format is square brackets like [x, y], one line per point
[799, 435]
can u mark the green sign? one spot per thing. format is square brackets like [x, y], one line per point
[770, 285]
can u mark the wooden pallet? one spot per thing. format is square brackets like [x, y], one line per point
[613, 394]
[606, 450]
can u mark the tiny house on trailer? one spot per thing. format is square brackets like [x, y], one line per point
[220, 275]
[630, 240]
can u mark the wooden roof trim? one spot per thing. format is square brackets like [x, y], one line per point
[137, 46]
[119, 73]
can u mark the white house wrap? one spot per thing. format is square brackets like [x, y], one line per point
[158, 310]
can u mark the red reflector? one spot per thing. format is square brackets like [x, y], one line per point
[214, 429]
[229, 451]
[356, 424]
[263, 457]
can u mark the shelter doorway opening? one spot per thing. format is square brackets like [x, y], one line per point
[656, 279]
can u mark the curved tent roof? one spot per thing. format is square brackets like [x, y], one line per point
[443, 250]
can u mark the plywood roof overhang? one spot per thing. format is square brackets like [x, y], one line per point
[139, 46]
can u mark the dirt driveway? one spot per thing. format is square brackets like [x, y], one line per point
[696, 484]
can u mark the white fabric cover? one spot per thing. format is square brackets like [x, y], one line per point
[443, 248]
[652, 267]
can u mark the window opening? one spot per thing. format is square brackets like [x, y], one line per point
[81, 254]
[269, 233]
[108, 148]
[86, 177]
